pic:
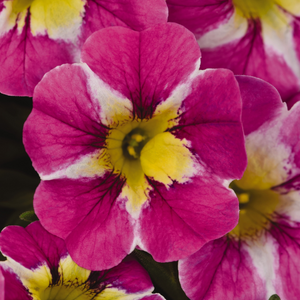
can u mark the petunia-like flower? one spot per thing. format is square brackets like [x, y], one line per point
[136, 146]
[39, 267]
[251, 37]
[38, 35]
[260, 256]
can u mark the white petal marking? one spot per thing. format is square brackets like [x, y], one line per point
[234, 29]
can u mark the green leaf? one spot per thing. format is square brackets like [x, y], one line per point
[28, 216]
[274, 297]
[163, 275]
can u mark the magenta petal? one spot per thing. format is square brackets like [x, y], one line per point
[211, 121]
[25, 59]
[287, 270]
[293, 100]
[180, 220]
[12, 288]
[130, 276]
[62, 204]
[249, 56]
[145, 67]
[261, 102]
[152, 297]
[133, 14]
[2, 282]
[32, 246]
[221, 270]
[199, 16]
[56, 110]
[103, 238]
[87, 214]
[289, 135]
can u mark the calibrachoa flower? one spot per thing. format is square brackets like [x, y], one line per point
[252, 37]
[38, 35]
[260, 256]
[39, 267]
[136, 146]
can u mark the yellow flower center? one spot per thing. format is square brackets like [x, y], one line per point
[67, 293]
[133, 143]
[269, 11]
[57, 18]
[254, 8]
[256, 210]
[137, 149]
[72, 283]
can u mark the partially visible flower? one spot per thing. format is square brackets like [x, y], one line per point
[136, 146]
[38, 35]
[253, 37]
[261, 255]
[39, 267]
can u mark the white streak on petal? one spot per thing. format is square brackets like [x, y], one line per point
[268, 158]
[234, 29]
[41, 276]
[280, 41]
[87, 166]
[263, 254]
[178, 94]
[5, 24]
[289, 206]
[113, 106]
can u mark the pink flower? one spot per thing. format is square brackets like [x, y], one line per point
[38, 35]
[260, 256]
[38, 266]
[248, 37]
[136, 146]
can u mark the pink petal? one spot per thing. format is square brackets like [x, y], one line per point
[211, 121]
[144, 67]
[32, 246]
[180, 220]
[222, 269]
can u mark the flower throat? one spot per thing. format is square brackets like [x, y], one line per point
[133, 143]
[252, 9]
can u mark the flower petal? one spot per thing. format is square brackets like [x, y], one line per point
[211, 122]
[12, 288]
[273, 151]
[181, 219]
[89, 212]
[287, 272]
[250, 56]
[32, 246]
[130, 276]
[88, 107]
[51, 33]
[221, 269]
[199, 17]
[22, 69]
[148, 62]
[261, 102]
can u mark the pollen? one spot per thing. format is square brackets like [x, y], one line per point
[133, 143]
[243, 198]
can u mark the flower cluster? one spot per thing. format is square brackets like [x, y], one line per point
[151, 149]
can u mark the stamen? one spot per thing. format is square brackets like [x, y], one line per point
[243, 198]
[133, 143]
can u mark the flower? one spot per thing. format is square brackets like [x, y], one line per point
[260, 256]
[39, 267]
[251, 37]
[136, 146]
[38, 35]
